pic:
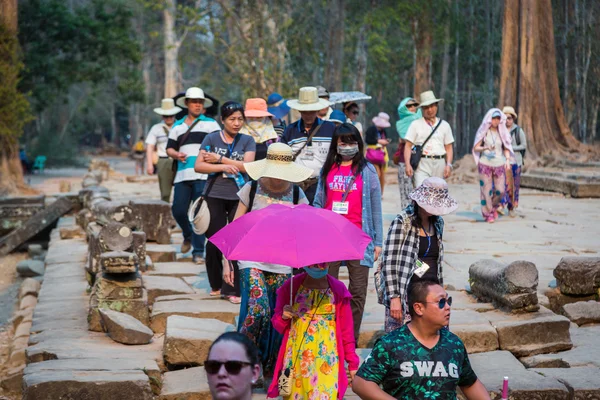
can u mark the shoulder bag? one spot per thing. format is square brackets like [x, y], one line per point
[417, 150]
[184, 138]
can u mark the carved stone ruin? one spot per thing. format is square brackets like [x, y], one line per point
[511, 287]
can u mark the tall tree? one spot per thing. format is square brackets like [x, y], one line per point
[14, 108]
[529, 79]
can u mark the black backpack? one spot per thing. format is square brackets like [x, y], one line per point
[253, 187]
[518, 140]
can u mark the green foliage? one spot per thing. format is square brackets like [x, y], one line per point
[14, 108]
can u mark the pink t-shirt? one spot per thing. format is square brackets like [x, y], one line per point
[337, 179]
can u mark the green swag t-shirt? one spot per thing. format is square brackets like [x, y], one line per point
[407, 370]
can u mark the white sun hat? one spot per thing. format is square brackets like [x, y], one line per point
[167, 108]
[194, 93]
[308, 100]
[428, 98]
[279, 164]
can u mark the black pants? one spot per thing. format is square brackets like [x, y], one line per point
[310, 193]
[221, 212]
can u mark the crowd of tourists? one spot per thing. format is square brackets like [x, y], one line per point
[256, 157]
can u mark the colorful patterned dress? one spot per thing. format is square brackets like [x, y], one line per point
[317, 364]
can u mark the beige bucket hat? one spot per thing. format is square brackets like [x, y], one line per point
[194, 93]
[428, 98]
[308, 100]
[279, 164]
[167, 108]
[509, 110]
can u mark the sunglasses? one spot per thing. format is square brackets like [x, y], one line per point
[411, 105]
[234, 106]
[442, 303]
[213, 367]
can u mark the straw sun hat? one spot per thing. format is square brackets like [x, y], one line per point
[194, 93]
[428, 98]
[433, 197]
[510, 110]
[279, 164]
[167, 108]
[308, 100]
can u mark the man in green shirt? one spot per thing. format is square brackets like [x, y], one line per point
[420, 360]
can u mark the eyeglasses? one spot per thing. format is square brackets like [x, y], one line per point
[213, 367]
[411, 105]
[442, 303]
[355, 112]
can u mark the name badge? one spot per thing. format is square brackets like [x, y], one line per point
[308, 155]
[421, 268]
[340, 207]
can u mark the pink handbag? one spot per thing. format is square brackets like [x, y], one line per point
[376, 156]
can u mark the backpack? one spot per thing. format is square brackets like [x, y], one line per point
[254, 186]
[518, 140]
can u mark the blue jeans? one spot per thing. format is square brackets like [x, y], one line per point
[185, 193]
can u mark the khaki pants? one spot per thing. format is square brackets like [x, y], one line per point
[427, 168]
[164, 168]
[359, 281]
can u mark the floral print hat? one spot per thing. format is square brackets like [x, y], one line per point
[433, 197]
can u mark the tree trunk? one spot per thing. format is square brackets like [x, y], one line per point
[456, 68]
[423, 42]
[171, 49]
[529, 79]
[445, 67]
[335, 48]
[9, 14]
[360, 78]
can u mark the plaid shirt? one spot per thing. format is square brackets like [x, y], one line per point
[400, 254]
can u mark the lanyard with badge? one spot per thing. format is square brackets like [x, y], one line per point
[342, 207]
[423, 267]
[238, 178]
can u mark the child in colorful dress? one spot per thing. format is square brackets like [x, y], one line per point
[318, 336]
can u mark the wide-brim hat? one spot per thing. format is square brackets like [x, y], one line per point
[256, 108]
[277, 105]
[433, 197]
[509, 110]
[308, 100]
[322, 92]
[194, 93]
[428, 98]
[382, 120]
[167, 108]
[278, 164]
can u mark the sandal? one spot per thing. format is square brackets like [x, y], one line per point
[234, 299]
[215, 293]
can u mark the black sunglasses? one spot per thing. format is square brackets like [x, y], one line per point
[442, 303]
[234, 106]
[213, 367]
[411, 105]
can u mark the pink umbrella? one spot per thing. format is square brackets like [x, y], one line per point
[294, 236]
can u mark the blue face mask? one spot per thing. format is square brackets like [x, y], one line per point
[316, 273]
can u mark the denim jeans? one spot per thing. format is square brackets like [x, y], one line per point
[185, 193]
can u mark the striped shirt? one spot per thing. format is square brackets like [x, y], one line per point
[314, 154]
[191, 147]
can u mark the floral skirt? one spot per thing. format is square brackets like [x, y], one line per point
[492, 184]
[311, 350]
[513, 186]
[259, 289]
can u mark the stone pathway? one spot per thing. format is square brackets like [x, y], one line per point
[65, 359]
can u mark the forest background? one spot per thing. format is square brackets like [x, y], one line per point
[93, 70]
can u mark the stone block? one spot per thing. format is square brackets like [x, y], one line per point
[477, 338]
[547, 334]
[29, 286]
[193, 296]
[177, 269]
[583, 312]
[582, 382]
[164, 286]
[29, 268]
[139, 248]
[217, 309]
[137, 308]
[72, 232]
[557, 300]
[369, 333]
[523, 384]
[23, 330]
[578, 275]
[185, 384]
[545, 361]
[35, 250]
[161, 252]
[97, 385]
[12, 379]
[511, 287]
[119, 262]
[123, 328]
[156, 219]
[28, 301]
[119, 286]
[187, 340]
